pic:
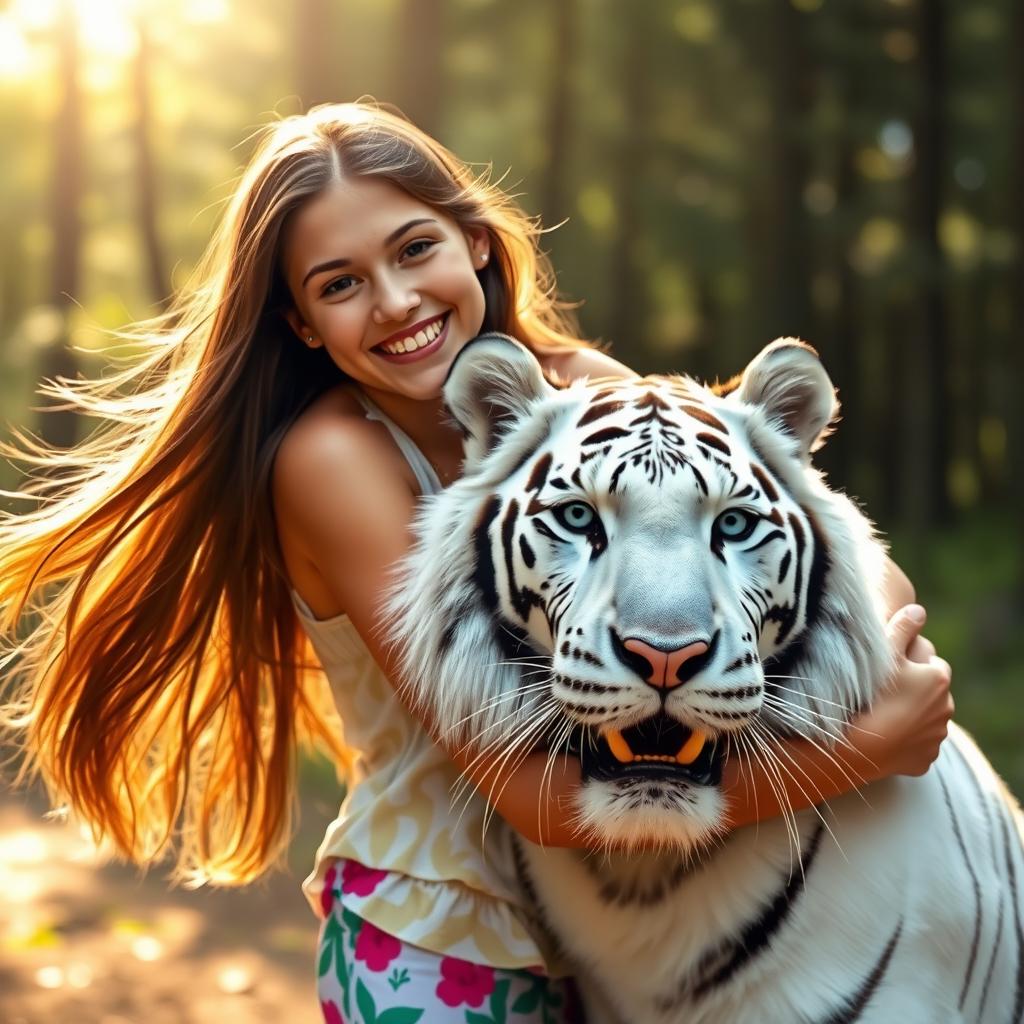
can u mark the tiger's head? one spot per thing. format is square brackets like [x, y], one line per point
[644, 573]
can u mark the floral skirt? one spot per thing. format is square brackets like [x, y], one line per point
[366, 976]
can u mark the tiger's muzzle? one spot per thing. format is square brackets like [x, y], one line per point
[657, 747]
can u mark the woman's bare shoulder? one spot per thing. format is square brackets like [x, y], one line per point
[585, 362]
[332, 432]
[328, 449]
[341, 492]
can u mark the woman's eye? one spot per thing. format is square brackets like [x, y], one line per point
[735, 524]
[576, 515]
[340, 285]
[417, 248]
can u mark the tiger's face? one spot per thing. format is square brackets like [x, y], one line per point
[646, 561]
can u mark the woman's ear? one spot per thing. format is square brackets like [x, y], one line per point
[302, 330]
[479, 241]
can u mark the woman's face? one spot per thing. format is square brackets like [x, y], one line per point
[387, 284]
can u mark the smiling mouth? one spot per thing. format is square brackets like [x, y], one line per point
[423, 338]
[658, 746]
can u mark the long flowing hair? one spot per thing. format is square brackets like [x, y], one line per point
[156, 674]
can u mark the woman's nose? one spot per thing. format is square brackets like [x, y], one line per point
[394, 301]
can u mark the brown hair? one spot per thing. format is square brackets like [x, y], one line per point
[156, 669]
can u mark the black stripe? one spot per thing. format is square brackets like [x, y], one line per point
[604, 436]
[539, 473]
[599, 411]
[1011, 871]
[483, 573]
[757, 935]
[992, 962]
[454, 616]
[784, 565]
[542, 528]
[766, 485]
[529, 558]
[714, 442]
[974, 886]
[994, 850]
[767, 538]
[854, 1006]
[523, 598]
[705, 417]
[644, 892]
[652, 400]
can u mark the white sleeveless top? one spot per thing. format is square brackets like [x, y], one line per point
[451, 885]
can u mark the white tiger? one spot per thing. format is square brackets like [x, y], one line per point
[685, 582]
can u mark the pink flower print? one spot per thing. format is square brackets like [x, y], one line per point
[327, 892]
[358, 879]
[376, 948]
[332, 1015]
[463, 982]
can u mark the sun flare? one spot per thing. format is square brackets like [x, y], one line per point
[105, 28]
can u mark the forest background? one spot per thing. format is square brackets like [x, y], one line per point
[718, 174]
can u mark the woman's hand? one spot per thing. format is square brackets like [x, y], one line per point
[900, 735]
[903, 730]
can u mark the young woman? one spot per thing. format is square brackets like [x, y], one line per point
[251, 487]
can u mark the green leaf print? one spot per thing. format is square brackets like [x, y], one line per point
[499, 1001]
[552, 1001]
[367, 1007]
[325, 957]
[354, 923]
[341, 967]
[332, 928]
[400, 1015]
[398, 978]
[529, 1001]
[478, 1018]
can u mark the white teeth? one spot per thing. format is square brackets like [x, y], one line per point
[422, 337]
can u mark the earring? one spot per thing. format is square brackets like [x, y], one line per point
[483, 257]
[309, 339]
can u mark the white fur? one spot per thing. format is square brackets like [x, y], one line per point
[888, 860]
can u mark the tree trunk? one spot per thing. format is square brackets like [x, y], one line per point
[629, 307]
[554, 201]
[840, 352]
[315, 47]
[926, 430]
[787, 256]
[1015, 369]
[159, 285]
[420, 48]
[58, 427]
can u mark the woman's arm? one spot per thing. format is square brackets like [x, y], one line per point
[341, 487]
[900, 735]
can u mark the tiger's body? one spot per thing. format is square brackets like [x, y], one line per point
[645, 574]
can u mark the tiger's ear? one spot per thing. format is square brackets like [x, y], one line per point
[493, 381]
[786, 380]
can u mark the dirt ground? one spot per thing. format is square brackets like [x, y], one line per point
[97, 943]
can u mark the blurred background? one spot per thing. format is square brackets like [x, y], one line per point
[719, 174]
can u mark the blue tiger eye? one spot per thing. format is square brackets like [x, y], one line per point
[577, 515]
[735, 524]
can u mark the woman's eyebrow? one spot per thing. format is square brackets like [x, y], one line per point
[344, 261]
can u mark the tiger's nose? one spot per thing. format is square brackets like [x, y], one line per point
[664, 666]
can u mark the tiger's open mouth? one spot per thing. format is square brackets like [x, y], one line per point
[659, 746]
